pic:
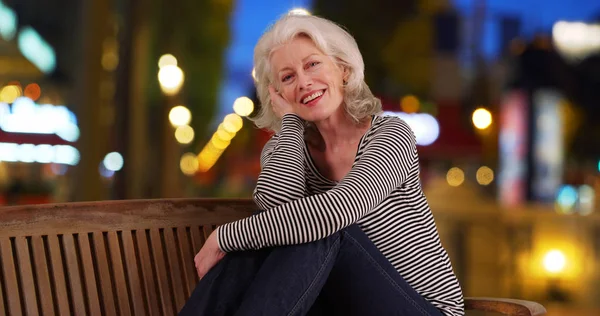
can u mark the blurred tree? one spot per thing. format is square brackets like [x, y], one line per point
[197, 33]
[373, 25]
[587, 137]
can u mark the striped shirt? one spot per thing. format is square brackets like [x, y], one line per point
[381, 193]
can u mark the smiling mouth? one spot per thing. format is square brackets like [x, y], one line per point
[312, 97]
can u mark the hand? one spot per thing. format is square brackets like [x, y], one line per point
[209, 255]
[280, 106]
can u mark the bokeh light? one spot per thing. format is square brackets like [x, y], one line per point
[482, 118]
[171, 79]
[455, 176]
[223, 134]
[410, 104]
[243, 106]
[566, 199]
[113, 161]
[167, 60]
[554, 261]
[587, 196]
[33, 91]
[184, 134]
[233, 123]
[189, 164]
[484, 175]
[10, 93]
[180, 116]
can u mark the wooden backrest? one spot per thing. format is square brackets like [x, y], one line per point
[106, 258]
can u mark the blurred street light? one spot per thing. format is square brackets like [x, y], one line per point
[184, 134]
[180, 116]
[189, 164]
[485, 175]
[170, 76]
[243, 106]
[167, 60]
[113, 161]
[171, 79]
[554, 261]
[410, 104]
[455, 176]
[9, 93]
[482, 118]
[233, 123]
[576, 39]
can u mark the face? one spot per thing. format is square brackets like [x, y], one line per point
[308, 79]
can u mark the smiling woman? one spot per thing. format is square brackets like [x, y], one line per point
[320, 41]
[345, 227]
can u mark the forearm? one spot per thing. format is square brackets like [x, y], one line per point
[282, 178]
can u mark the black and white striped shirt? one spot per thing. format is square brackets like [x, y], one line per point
[381, 193]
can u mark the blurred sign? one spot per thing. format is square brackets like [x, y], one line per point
[25, 116]
[424, 126]
[8, 22]
[548, 151]
[512, 182]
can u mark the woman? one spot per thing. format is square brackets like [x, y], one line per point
[346, 229]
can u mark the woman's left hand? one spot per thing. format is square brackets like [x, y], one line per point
[209, 255]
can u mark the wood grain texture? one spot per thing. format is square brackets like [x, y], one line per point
[505, 306]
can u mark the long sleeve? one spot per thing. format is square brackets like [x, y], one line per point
[385, 164]
[282, 176]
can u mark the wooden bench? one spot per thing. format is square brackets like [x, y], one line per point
[131, 257]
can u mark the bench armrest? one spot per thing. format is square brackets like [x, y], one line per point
[504, 306]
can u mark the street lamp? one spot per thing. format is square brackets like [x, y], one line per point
[170, 76]
[482, 118]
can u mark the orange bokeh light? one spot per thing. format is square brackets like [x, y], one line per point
[33, 91]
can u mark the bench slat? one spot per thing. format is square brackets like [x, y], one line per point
[132, 274]
[187, 258]
[2, 307]
[10, 277]
[175, 268]
[27, 283]
[61, 295]
[147, 270]
[197, 238]
[207, 229]
[163, 278]
[91, 285]
[119, 273]
[74, 275]
[108, 299]
[43, 277]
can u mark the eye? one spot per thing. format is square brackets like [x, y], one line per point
[286, 78]
[313, 63]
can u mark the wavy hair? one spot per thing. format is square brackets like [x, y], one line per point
[333, 41]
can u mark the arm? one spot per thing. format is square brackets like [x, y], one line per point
[388, 160]
[282, 176]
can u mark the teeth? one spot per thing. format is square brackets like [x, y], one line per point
[312, 96]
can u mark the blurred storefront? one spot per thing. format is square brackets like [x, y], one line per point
[37, 136]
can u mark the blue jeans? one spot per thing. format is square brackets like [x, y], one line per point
[343, 274]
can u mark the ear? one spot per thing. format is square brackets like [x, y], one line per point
[345, 73]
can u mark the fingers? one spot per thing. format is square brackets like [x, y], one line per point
[274, 94]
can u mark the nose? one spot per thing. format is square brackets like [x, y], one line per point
[304, 81]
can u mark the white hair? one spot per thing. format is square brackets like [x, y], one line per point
[333, 41]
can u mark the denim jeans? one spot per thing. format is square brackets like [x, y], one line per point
[343, 274]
